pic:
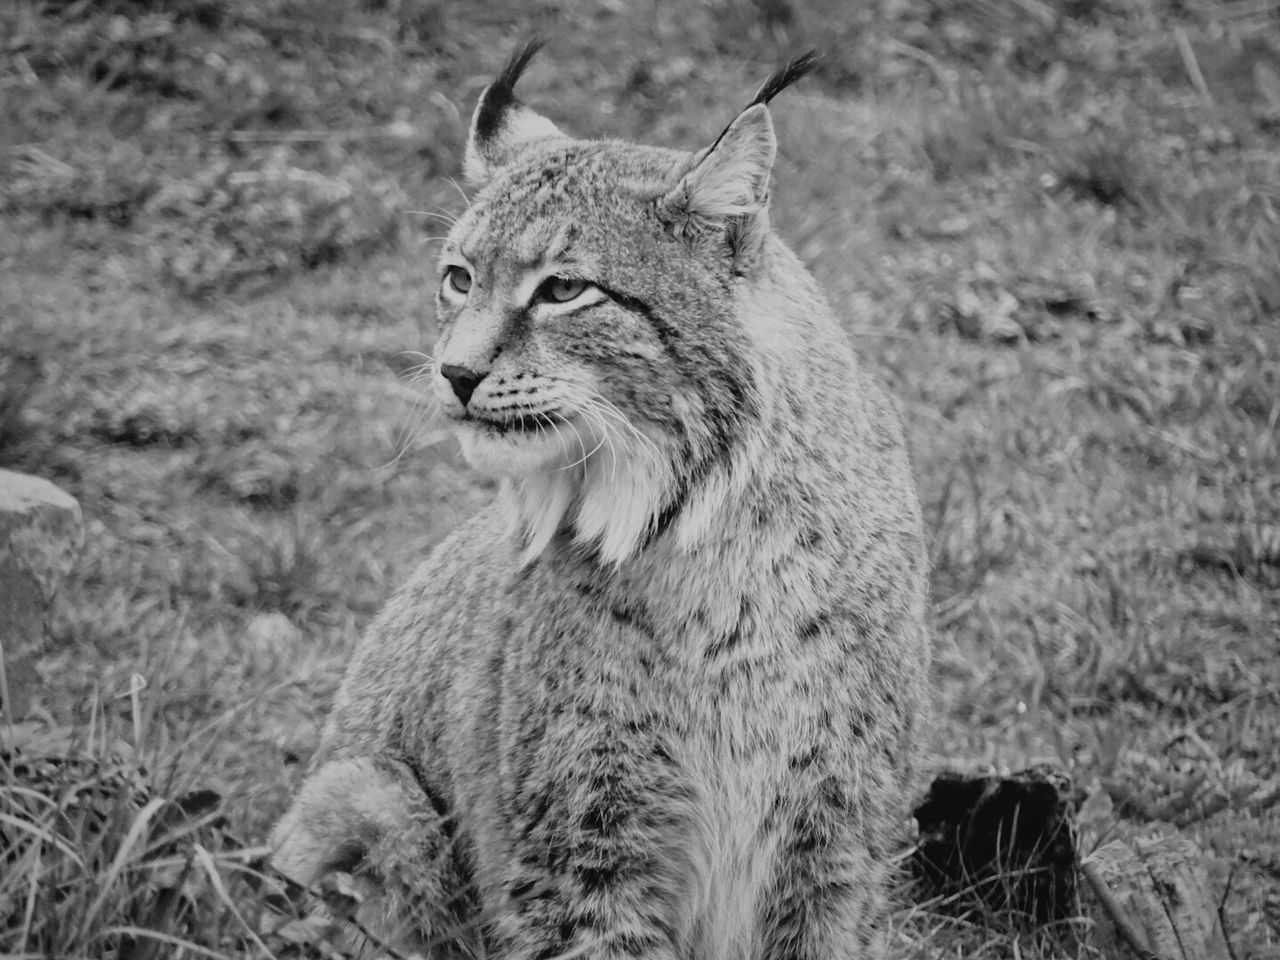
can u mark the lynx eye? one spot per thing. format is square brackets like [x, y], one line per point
[457, 280]
[560, 290]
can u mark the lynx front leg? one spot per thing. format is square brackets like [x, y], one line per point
[371, 820]
[595, 868]
[830, 902]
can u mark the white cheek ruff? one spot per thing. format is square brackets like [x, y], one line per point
[625, 487]
[608, 490]
[540, 503]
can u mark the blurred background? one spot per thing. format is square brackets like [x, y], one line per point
[1052, 225]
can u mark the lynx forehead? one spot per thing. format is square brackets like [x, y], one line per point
[659, 700]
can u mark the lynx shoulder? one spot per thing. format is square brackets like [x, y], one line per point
[660, 699]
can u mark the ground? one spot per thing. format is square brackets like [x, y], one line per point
[1053, 227]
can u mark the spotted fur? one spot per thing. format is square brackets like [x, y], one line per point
[660, 700]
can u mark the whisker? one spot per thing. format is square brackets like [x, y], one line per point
[587, 454]
[583, 453]
[542, 421]
[582, 444]
[606, 437]
[424, 410]
[419, 372]
[462, 193]
[560, 434]
[618, 417]
[646, 442]
[605, 417]
[434, 215]
[415, 426]
[598, 425]
[592, 411]
[586, 404]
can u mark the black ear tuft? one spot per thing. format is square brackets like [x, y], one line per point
[516, 66]
[501, 94]
[793, 71]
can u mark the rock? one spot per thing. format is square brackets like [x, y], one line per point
[1154, 901]
[41, 534]
[273, 635]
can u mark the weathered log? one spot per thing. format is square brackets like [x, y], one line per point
[1153, 901]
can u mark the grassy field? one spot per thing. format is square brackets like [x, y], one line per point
[1054, 227]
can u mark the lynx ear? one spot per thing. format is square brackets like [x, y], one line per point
[731, 177]
[726, 187]
[501, 124]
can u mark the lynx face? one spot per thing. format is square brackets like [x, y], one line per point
[551, 357]
[590, 351]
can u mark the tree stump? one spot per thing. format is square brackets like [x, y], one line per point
[1154, 902]
[1002, 846]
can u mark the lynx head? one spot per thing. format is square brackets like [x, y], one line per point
[590, 351]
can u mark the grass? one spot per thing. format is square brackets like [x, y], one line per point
[1055, 229]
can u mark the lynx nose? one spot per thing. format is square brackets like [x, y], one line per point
[464, 380]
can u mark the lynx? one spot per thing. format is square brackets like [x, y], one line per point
[658, 700]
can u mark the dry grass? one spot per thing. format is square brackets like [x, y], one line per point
[1059, 243]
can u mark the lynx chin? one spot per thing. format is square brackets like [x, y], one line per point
[660, 699]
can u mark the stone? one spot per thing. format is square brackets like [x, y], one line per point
[273, 636]
[41, 533]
